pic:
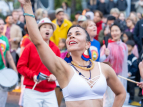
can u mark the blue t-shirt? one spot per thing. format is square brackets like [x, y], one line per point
[95, 50]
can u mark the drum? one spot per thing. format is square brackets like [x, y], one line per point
[8, 79]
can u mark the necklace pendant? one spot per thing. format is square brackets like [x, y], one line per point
[89, 78]
[79, 73]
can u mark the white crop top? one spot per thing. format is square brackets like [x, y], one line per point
[79, 88]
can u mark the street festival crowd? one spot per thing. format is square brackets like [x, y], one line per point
[86, 61]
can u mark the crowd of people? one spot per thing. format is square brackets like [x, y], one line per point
[101, 33]
[105, 6]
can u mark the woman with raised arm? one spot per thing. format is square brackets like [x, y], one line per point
[83, 82]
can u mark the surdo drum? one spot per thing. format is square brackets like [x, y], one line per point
[8, 79]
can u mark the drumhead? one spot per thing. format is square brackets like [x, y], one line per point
[8, 78]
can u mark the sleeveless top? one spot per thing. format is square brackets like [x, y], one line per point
[82, 89]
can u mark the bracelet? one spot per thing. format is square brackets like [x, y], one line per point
[26, 14]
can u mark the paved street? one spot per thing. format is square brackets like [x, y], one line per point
[13, 99]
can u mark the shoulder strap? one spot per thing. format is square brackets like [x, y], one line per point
[73, 67]
[2, 55]
[99, 67]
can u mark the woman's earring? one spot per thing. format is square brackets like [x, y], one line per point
[85, 56]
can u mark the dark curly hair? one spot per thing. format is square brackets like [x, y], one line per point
[87, 35]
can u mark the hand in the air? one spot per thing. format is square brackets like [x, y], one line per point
[23, 2]
[51, 78]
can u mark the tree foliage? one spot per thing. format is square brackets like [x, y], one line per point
[16, 4]
[9, 1]
[75, 5]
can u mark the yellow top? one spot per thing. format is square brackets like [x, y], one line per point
[60, 32]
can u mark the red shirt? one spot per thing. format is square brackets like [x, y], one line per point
[25, 41]
[99, 28]
[30, 64]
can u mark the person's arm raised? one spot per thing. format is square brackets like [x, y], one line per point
[48, 57]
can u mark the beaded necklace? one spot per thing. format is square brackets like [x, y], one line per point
[79, 66]
[87, 68]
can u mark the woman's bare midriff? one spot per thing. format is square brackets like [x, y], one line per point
[85, 103]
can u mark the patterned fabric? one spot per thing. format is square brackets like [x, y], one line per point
[5, 47]
[118, 58]
[95, 50]
[7, 33]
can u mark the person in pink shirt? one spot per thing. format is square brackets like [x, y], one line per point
[117, 60]
[63, 48]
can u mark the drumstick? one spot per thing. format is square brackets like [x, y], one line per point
[128, 79]
[34, 85]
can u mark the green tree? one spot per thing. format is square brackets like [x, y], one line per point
[75, 5]
[2, 16]
[16, 4]
[7, 2]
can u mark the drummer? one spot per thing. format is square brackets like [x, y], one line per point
[4, 53]
[30, 65]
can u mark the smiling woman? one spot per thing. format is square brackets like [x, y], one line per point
[117, 58]
[84, 84]
[91, 28]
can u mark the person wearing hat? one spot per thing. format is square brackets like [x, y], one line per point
[74, 78]
[89, 15]
[30, 65]
[81, 19]
[62, 26]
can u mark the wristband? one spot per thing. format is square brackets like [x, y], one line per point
[26, 14]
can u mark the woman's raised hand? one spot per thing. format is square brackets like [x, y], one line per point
[23, 2]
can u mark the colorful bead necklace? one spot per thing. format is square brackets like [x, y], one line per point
[87, 68]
